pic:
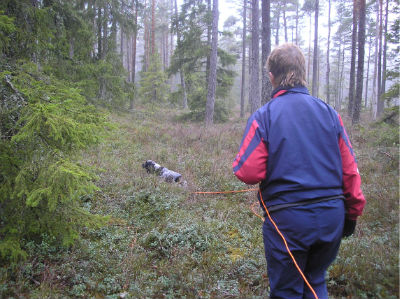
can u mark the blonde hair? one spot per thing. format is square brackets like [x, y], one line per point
[286, 62]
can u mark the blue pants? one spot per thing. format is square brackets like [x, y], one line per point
[313, 233]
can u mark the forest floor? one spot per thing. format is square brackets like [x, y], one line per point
[163, 241]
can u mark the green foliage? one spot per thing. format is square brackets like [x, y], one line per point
[59, 36]
[385, 131]
[153, 87]
[191, 54]
[7, 27]
[41, 179]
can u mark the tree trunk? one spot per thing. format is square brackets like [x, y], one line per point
[181, 70]
[122, 39]
[341, 80]
[212, 80]
[250, 51]
[360, 62]
[383, 88]
[153, 26]
[208, 42]
[379, 101]
[166, 48]
[254, 82]
[71, 48]
[92, 11]
[374, 84]
[309, 52]
[337, 94]
[128, 57]
[297, 22]
[146, 39]
[99, 31]
[135, 7]
[353, 61]
[244, 34]
[284, 22]
[105, 30]
[278, 14]
[171, 35]
[266, 49]
[315, 58]
[367, 79]
[328, 67]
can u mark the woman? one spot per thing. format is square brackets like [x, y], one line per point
[296, 147]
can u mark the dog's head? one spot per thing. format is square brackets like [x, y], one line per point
[149, 165]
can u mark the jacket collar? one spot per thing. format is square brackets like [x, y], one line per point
[280, 90]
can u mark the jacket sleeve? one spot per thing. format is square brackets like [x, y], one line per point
[355, 200]
[250, 164]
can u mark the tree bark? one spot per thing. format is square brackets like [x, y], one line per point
[146, 39]
[337, 94]
[166, 48]
[328, 67]
[244, 34]
[278, 14]
[209, 29]
[284, 22]
[353, 60]
[380, 103]
[315, 57]
[341, 80]
[297, 22]
[105, 30]
[250, 52]
[254, 82]
[132, 103]
[383, 88]
[99, 31]
[367, 78]
[360, 62]
[374, 80]
[121, 50]
[212, 80]
[309, 52]
[171, 35]
[181, 70]
[266, 49]
[153, 25]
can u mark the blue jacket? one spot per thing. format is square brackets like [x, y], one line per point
[297, 148]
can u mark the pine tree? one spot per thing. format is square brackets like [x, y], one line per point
[212, 79]
[243, 79]
[266, 49]
[42, 181]
[254, 99]
[315, 56]
[360, 61]
[153, 88]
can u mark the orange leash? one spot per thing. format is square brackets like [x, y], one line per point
[287, 248]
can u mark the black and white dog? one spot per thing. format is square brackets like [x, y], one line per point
[165, 173]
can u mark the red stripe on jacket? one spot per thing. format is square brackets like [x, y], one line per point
[254, 168]
[355, 200]
[246, 142]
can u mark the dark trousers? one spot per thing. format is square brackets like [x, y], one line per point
[313, 233]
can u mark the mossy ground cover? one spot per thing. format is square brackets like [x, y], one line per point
[162, 241]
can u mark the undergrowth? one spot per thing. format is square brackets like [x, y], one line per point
[163, 241]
